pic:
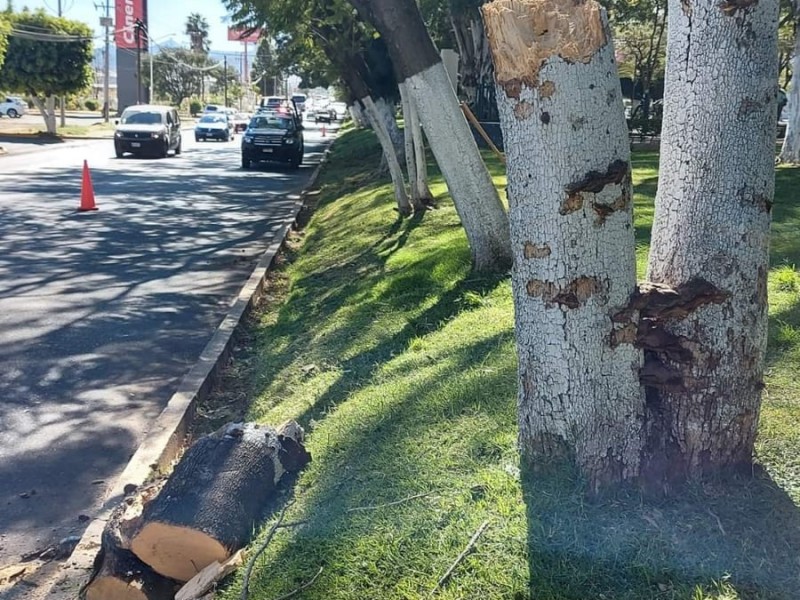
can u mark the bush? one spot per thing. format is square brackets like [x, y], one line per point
[91, 105]
[195, 107]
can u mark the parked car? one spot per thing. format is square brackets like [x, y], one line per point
[148, 129]
[214, 126]
[272, 102]
[273, 137]
[240, 122]
[300, 102]
[13, 107]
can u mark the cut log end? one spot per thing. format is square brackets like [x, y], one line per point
[108, 587]
[175, 551]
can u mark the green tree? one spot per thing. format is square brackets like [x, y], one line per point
[264, 68]
[197, 30]
[178, 74]
[4, 30]
[47, 57]
[226, 82]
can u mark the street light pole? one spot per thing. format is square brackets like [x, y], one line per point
[106, 22]
[63, 98]
[137, 31]
[225, 77]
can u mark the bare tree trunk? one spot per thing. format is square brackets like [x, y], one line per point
[418, 64]
[569, 189]
[421, 182]
[704, 372]
[48, 110]
[790, 151]
[403, 203]
[411, 159]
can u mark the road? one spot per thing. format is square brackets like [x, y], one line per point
[102, 313]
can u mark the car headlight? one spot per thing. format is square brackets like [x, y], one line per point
[156, 134]
[118, 134]
[289, 140]
[248, 139]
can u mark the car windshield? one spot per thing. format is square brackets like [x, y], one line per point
[142, 118]
[212, 119]
[270, 122]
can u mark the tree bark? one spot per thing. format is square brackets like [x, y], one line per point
[420, 158]
[411, 159]
[790, 151]
[570, 212]
[417, 63]
[392, 160]
[209, 505]
[358, 116]
[704, 372]
[386, 111]
[48, 110]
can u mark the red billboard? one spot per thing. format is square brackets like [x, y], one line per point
[127, 13]
[242, 35]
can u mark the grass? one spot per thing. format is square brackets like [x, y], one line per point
[400, 364]
[96, 129]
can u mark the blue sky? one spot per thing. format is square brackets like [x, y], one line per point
[167, 18]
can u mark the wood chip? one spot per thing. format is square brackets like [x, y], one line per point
[11, 573]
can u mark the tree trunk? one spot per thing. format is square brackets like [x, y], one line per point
[704, 375]
[411, 162]
[209, 505]
[48, 110]
[417, 63]
[790, 151]
[569, 189]
[386, 111]
[421, 183]
[358, 116]
[392, 160]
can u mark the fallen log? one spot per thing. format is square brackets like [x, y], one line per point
[118, 574]
[210, 504]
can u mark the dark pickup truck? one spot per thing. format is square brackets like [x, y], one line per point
[273, 137]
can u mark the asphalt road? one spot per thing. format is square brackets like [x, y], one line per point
[102, 313]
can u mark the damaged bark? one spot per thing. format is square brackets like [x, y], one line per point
[706, 314]
[571, 228]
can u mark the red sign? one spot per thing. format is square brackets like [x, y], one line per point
[241, 35]
[127, 13]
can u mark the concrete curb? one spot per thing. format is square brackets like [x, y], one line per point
[164, 440]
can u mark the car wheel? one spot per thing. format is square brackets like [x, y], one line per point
[165, 149]
[245, 163]
[12, 113]
[118, 152]
[178, 147]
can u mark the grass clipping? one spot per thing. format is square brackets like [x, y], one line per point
[524, 34]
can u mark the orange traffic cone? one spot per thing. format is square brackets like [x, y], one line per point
[323, 130]
[87, 190]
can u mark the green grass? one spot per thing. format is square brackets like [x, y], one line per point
[400, 364]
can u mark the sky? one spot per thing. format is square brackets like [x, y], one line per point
[167, 19]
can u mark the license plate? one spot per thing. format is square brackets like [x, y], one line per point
[136, 145]
[266, 149]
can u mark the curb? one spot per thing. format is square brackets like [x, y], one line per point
[164, 439]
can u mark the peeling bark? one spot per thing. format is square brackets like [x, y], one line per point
[572, 237]
[704, 364]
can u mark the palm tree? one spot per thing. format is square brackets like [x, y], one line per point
[197, 30]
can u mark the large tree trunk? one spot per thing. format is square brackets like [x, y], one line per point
[569, 189]
[710, 237]
[411, 158]
[790, 151]
[389, 154]
[209, 505]
[417, 63]
[422, 189]
[358, 115]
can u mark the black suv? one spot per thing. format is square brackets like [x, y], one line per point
[273, 137]
[148, 129]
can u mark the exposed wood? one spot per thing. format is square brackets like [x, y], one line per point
[119, 575]
[202, 583]
[213, 499]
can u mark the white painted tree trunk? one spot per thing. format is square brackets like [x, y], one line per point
[790, 151]
[388, 116]
[420, 158]
[396, 172]
[570, 213]
[710, 236]
[471, 187]
[358, 116]
[48, 110]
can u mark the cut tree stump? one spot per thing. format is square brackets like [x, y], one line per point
[118, 574]
[210, 504]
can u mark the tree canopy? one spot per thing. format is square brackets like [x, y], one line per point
[177, 73]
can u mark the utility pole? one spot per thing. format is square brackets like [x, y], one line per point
[106, 22]
[225, 77]
[137, 31]
[62, 98]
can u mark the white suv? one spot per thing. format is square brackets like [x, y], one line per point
[12, 106]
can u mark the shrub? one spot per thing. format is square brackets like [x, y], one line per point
[195, 107]
[91, 104]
